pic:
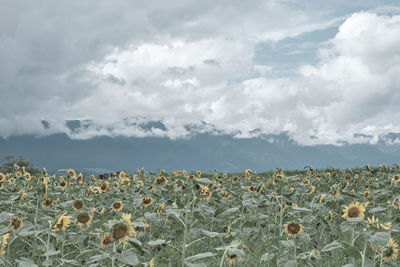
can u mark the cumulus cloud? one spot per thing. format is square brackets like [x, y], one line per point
[144, 70]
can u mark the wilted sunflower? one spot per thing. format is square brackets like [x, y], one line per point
[354, 210]
[16, 223]
[71, 173]
[311, 190]
[231, 258]
[392, 251]
[146, 201]
[3, 244]
[293, 229]
[78, 204]
[160, 209]
[47, 203]
[106, 240]
[117, 206]
[84, 218]
[62, 223]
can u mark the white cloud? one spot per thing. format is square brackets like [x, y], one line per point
[197, 70]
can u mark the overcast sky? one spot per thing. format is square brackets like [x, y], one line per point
[322, 73]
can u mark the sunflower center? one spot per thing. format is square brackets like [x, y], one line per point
[146, 201]
[120, 230]
[83, 218]
[48, 202]
[78, 204]
[103, 186]
[117, 205]
[107, 239]
[62, 183]
[16, 223]
[60, 224]
[354, 212]
[293, 228]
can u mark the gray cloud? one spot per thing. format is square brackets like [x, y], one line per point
[116, 66]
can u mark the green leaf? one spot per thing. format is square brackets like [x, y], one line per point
[267, 256]
[331, 246]
[301, 209]
[212, 234]
[229, 211]
[377, 209]
[25, 262]
[127, 257]
[199, 256]
[380, 239]
[156, 242]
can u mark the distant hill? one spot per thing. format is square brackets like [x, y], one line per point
[202, 152]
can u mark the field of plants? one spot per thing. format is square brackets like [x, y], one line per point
[329, 217]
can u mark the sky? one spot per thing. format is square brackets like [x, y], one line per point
[319, 72]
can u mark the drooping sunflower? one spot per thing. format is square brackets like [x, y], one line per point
[16, 223]
[354, 210]
[78, 204]
[71, 173]
[117, 206]
[147, 201]
[47, 203]
[3, 244]
[293, 229]
[62, 223]
[83, 218]
[311, 190]
[392, 251]
[160, 209]
[106, 240]
[231, 258]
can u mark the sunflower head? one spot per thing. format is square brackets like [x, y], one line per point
[47, 203]
[62, 223]
[120, 232]
[121, 175]
[391, 251]
[354, 210]
[106, 240]
[71, 173]
[78, 205]
[84, 218]
[104, 186]
[117, 206]
[147, 201]
[16, 223]
[293, 229]
[231, 258]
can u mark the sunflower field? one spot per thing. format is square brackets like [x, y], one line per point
[327, 217]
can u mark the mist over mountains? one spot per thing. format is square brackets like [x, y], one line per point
[201, 152]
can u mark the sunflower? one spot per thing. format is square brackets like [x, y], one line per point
[71, 173]
[121, 175]
[247, 173]
[117, 206]
[160, 209]
[151, 263]
[62, 223]
[2, 177]
[231, 258]
[78, 205]
[161, 180]
[16, 223]
[104, 186]
[146, 201]
[122, 230]
[151, 188]
[252, 189]
[225, 196]
[293, 229]
[225, 175]
[63, 184]
[47, 203]
[84, 218]
[27, 176]
[311, 190]
[3, 244]
[106, 240]
[198, 173]
[392, 252]
[366, 194]
[321, 198]
[354, 210]
[30, 187]
[11, 181]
